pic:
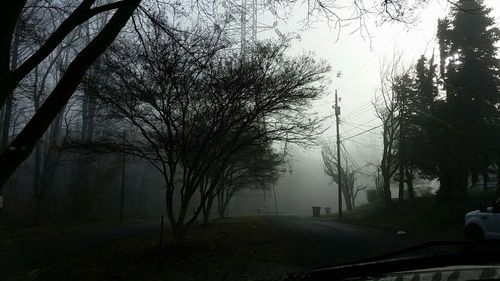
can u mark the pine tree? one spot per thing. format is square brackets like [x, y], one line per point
[469, 71]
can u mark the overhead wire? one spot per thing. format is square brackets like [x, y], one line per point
[363, 132]
[359, 126]
[349, 157]
[370, 58]
[345, 156]
[366, 145]
[349, 123]
[357, 109]
[368, 109]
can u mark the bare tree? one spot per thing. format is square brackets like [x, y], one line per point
[22, 146]
[387, 109]
[71, 17]
[255, 168]
[194, 107]
[349, 188]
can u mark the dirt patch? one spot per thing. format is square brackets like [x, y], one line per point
[232, 249]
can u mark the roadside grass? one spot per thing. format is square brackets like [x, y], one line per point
[230, 249]
[423, 219]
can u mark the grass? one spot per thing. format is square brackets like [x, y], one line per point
[230, 249]
[423, 219]
[10, 237]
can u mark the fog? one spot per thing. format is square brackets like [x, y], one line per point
[82, 185]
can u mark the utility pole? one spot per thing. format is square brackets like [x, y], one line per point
[122, 193]
[337, 113]
[401, 149]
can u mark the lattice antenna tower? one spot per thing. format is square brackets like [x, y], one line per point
[248, 26]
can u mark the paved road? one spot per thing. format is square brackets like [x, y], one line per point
[15, 260]
[320, 243]
[315, 242]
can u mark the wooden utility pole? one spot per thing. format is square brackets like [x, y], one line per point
[401, 148]
[339, 169]
[122, 193]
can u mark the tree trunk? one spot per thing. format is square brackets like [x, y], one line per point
[180, 228]
[88, 116]
[6, 122]
[22, 146]
[37, 187]
[401, 194]
[220, 204]
[486, 179]
[224, 198]
[10, 12]
[409, 183]
[85, 102]
[179, 235]
[10, 96]
[347, 197]
[222, 210]
[498, 177]
[48, 169]
[207, 209]
[387, 190]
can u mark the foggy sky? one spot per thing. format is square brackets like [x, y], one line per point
[359, 59]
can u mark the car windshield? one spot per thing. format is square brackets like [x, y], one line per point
[244, 139]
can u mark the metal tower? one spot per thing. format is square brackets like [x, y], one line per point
[248, 23]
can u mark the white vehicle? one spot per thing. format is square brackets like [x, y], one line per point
[483, 223]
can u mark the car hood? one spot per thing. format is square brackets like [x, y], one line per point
[455, 260]
[472, 213]
[491, 272]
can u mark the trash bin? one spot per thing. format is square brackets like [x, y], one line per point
[316, 212]
[328, 210]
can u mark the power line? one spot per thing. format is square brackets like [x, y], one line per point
[346, 156]
[369, 59]
[359, 126]
[352, 124]
[369, 146]
[358, 108]
[363, 132]
[349, 157]
[360, 113]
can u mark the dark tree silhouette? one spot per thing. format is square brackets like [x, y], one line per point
[470, 78]
[193, 105]
[24, 143]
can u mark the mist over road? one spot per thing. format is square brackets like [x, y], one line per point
[320, 243]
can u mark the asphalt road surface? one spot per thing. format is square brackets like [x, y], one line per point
[315, 243]
[18, 259]
[318, 243]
